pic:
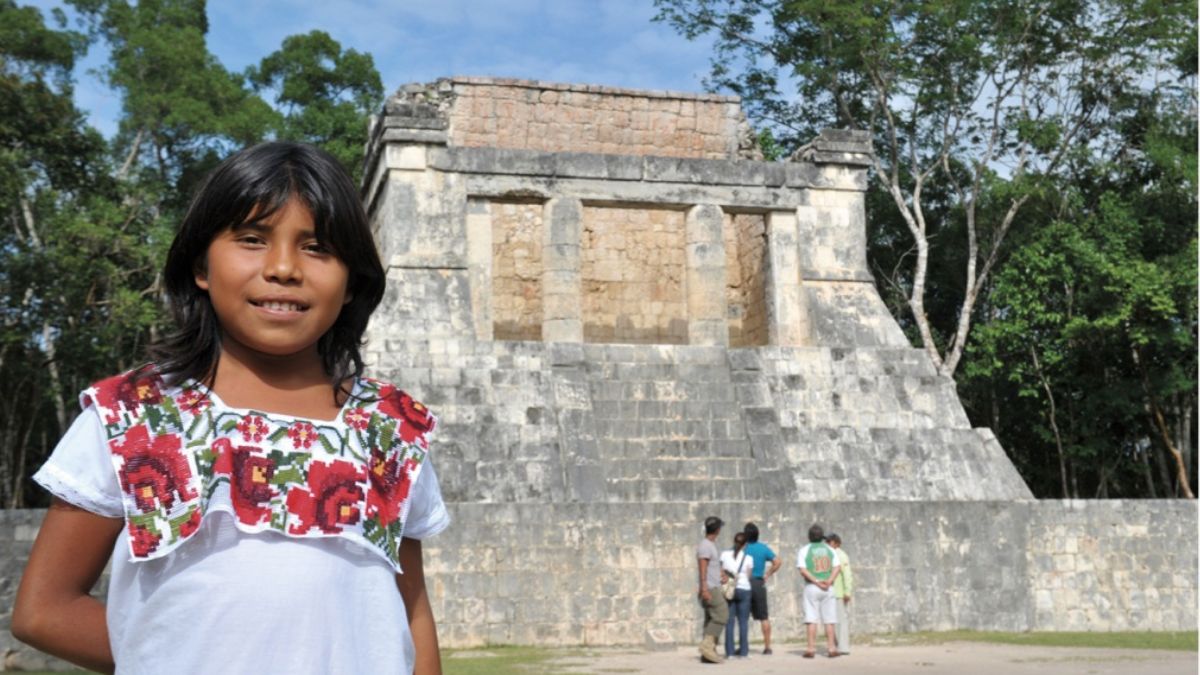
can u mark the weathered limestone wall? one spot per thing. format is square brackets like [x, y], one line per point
[552, 117]
[633, 275]
[615, 573]
[612, 573]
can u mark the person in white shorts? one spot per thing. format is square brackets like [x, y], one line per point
[819, 565]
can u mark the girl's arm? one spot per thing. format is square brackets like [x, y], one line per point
[420, 614]
[53, 611]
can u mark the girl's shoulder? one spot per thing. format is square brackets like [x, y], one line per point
[127, 391]
[393, 403]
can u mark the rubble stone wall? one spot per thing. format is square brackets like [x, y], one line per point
[552, 117]
[633, 275]
[517, 269]
[745, 236]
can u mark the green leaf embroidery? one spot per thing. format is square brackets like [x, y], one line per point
[326, 444]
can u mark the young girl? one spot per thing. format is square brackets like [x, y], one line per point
[262, 502]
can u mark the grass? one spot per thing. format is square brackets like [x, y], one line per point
[1174, 641]
[509, 660]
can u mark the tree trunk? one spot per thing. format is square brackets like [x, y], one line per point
[49, 340]
[1053, 416]
[1159, 424]
[1146, 473]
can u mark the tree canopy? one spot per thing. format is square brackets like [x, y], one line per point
[88, 219]
[1018, 142]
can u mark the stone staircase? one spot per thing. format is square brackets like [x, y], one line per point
[572, 423]
[668, 426]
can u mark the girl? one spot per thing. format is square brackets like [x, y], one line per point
[736, 563]
[261, 501]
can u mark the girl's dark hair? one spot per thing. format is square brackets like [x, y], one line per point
[739, 540]
[252, 185]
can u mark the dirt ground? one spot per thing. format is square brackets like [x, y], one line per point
[959, 658]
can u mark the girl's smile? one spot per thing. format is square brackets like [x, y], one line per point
[275, 289]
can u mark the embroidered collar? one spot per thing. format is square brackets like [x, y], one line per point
[179, 452]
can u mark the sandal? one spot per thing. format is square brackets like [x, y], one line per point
[809, 655]
[834, 654]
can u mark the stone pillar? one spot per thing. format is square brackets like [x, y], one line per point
[707, 324]
[787, 309]
[479, 267]
[562, 280]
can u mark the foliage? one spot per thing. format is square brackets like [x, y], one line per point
[326, 94]
[1031, 180]
[1091, 330]
[88, 219]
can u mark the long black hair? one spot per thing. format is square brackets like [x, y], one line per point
[252, 185]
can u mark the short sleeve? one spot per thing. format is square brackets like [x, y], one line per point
[80, 472]
[800, 558]
[427, 515]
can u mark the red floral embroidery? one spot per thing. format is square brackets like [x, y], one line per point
[190, 525]
[390, 482]
[191, 400]
[250, 475]
[331, 499]
[154, 472]
[142, 541]
[356, 418]
[253, 428]
[129, 391]
[302, 434]
[414, 417]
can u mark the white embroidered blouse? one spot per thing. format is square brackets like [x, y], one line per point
[254, 542]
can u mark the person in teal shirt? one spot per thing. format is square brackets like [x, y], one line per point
[762, 554]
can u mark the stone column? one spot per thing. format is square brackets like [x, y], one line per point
[787, 310]
[479, 267]
[562, 279]
[707, 324]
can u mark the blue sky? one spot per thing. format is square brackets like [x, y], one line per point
[612, 42]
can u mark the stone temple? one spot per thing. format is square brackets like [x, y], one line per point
[627, 321]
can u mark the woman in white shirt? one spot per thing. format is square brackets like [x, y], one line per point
[735, 563]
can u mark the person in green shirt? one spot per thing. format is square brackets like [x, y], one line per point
[818, 564]
[843, 586]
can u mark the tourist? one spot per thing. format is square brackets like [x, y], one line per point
[843, 585]
[716, 609]
[736, 564]
[759, 574]
[818, 564]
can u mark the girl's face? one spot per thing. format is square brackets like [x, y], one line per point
[274, 289]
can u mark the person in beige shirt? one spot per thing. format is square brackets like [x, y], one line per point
[843, 586]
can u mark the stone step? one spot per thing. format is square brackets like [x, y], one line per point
[669, 430]
[673, 490]
[662, 390]
[638, 449]
[727, 468]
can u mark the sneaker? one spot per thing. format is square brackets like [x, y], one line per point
[767, 652]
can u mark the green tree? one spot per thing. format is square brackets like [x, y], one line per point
[978, 103]
[52, 166]
[181, 109]
[1090, 333]
[326, 94]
